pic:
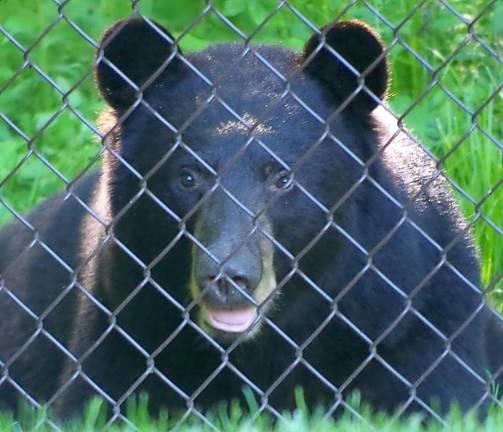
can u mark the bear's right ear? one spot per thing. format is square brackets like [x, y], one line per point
[130, 53]
[354, 44]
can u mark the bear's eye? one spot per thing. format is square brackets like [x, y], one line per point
[188, 179]
[282, 180]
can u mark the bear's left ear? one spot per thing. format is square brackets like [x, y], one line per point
[132, 52]
[353, 43]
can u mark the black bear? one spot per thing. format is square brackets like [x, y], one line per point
[259, 220]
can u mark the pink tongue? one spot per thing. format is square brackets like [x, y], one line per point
[235, 321]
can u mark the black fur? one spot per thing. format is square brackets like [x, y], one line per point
[389, 287]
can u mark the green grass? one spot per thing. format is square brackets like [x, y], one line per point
[44, 128]
[358, 418]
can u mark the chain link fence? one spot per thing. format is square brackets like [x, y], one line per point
[33, 167]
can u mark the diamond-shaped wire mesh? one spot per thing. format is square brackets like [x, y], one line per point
[50, 141]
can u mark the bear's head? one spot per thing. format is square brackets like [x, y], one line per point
[228, 171]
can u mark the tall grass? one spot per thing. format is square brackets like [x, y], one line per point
[232, 418]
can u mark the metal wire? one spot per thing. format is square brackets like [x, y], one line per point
[210, 9]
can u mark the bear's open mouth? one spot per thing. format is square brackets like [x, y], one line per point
[231, 320]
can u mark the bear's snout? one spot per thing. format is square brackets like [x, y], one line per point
[226, 273]
[225, 290]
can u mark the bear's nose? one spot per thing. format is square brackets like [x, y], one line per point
[228, 282]
[226, 290]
